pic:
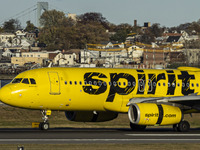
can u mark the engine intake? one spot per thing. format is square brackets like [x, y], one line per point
[152, 114]
[90, 116]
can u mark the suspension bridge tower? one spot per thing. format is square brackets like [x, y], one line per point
[41, 6]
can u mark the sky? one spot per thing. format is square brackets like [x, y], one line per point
[167, 13]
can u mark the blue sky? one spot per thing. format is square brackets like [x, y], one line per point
[168, 13]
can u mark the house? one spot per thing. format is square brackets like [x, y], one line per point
[152, 57]
[6, 37]
[175, 57]
[65, 58]
[41, 58]
[22, 60]
[174, 39]
[193, 57]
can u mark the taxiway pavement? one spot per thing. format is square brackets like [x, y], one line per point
[93, 135]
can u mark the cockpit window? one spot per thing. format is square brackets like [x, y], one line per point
[17, 80]
[25, 81]
[32, 81]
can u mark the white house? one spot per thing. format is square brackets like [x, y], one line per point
[65, 59]
[8, 53]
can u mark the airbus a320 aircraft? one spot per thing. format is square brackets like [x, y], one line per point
[149, 96]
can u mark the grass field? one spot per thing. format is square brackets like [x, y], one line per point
[11, 117]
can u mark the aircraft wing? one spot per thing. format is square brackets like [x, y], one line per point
[192, 100]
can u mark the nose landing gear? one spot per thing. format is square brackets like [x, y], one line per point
[45, 124]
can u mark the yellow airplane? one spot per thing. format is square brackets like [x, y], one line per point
[148, 96]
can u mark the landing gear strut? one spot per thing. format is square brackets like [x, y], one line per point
[45, 125]
[183, 126]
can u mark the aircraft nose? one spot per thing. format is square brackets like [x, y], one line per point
[5, 94]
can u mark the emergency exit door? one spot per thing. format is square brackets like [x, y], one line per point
[54, 83]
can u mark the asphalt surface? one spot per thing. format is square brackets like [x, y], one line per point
[91, 135]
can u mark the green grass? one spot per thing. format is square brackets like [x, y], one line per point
[11, 117]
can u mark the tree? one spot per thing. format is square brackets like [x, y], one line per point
[156, 30]
[12, 25]
[59, 32]
[1, 29]
[147, 37]
[122, 32]
[30, 27]
[52, 18]
[93, 17]
[90, 33]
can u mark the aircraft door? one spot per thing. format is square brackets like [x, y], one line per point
[54, 83]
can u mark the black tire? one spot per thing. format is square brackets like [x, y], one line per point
[183, 126]
[135, 127]
[44, 126]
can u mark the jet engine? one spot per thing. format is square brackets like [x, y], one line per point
[90, 116]
[154, 114]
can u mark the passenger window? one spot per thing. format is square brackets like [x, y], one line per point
[75, 82]
[119, 83]
[192, 84]
[80, 83]
[105, 84]
[141, 85]
[183, 84]
[32, 81]
[150, 85]
[99, 83]
[173, 84]
[25, 81]
[169, 84]
[66, 82]
[17, 80]
[187, 84]
[70, 82]
[197, 85]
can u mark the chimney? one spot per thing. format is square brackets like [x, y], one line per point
[135, 23]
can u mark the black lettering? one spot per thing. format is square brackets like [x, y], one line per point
[154, 81]
[115, 88]
[185, 77]
[141, 82]
[88, 77]
[171, 82]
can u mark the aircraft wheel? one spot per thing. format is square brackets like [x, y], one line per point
[183, 126]
[44, 126]
[136, 127]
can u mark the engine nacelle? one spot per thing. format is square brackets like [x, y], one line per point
[90, 116]
[152, 114]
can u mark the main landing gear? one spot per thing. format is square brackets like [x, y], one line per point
[183, 126]
[45, 124]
